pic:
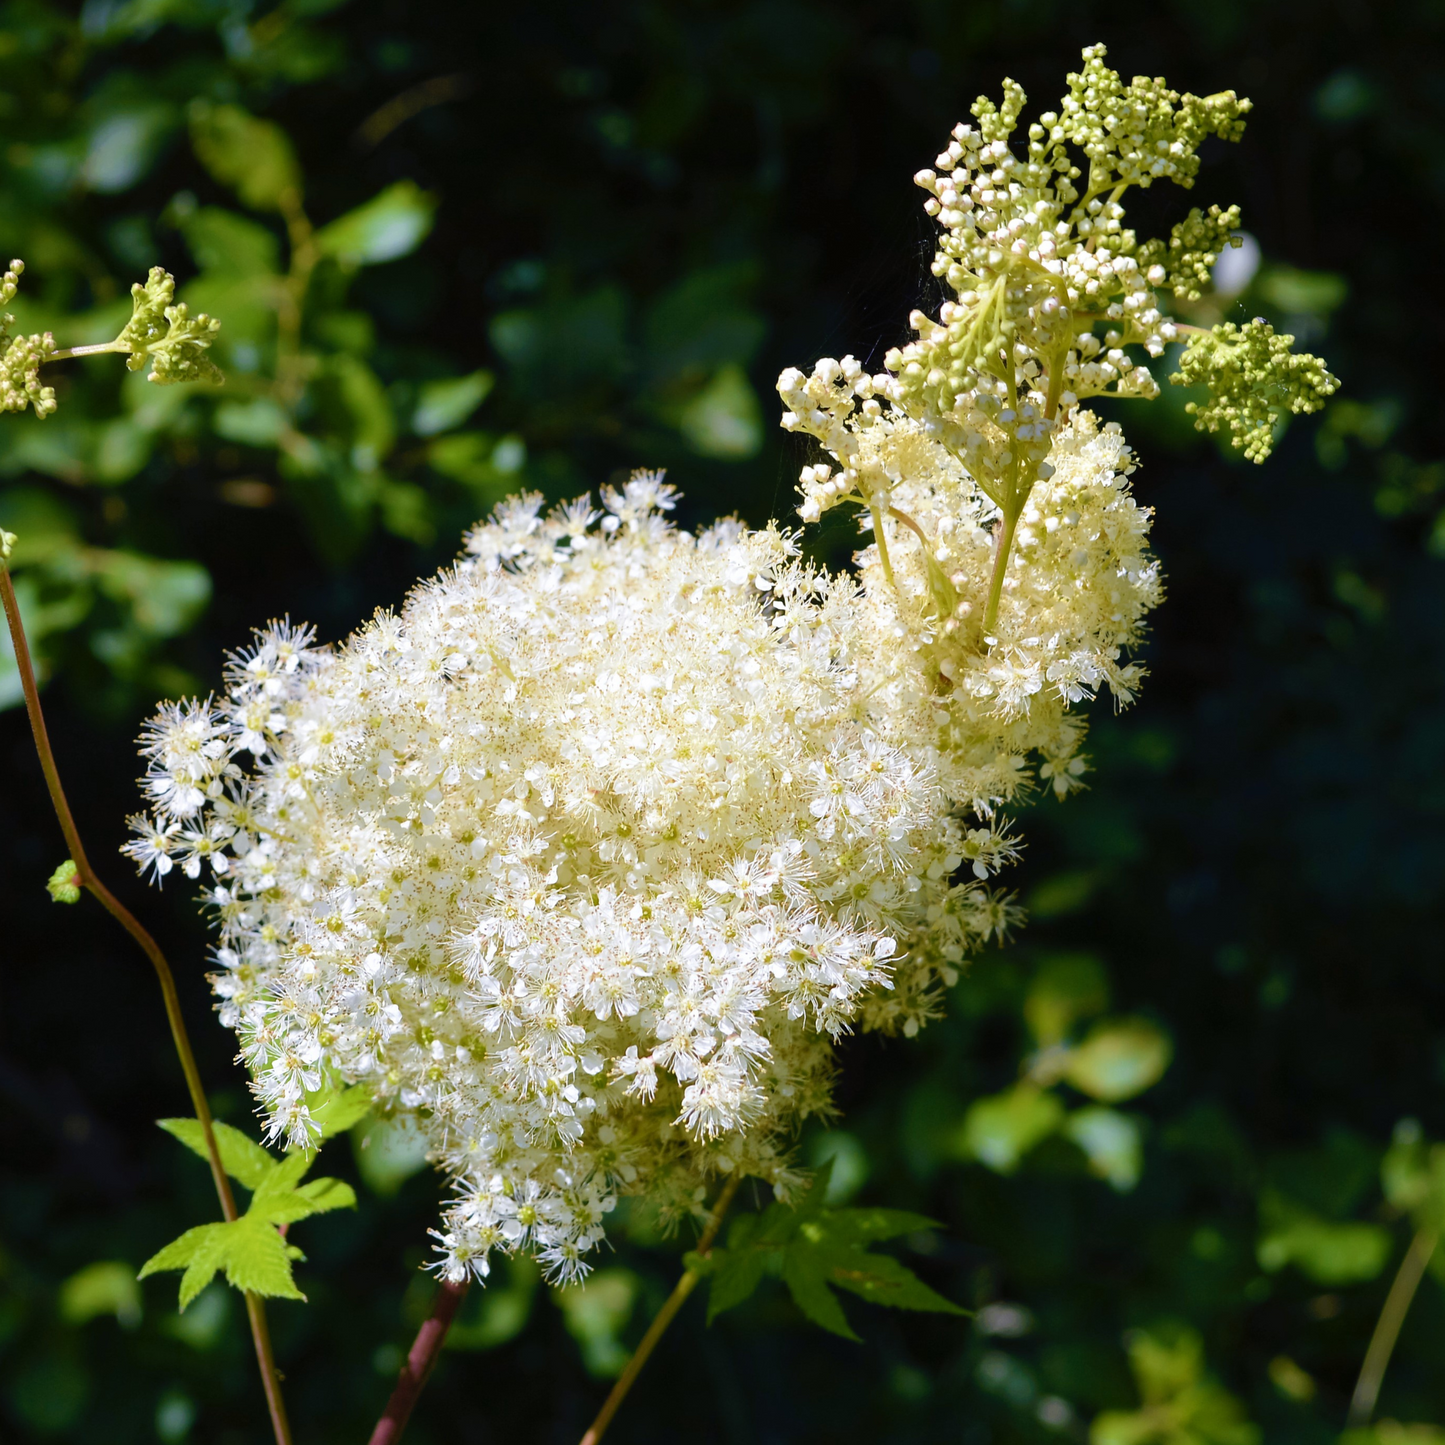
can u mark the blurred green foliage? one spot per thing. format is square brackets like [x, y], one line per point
[459, 249]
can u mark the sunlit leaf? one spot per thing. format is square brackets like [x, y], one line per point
[242, 1158]
[1111, 1142]
[252, 156]
[1119, 1059]
[725, 419]
[107, 1287]
[1067, 988]
[1000, 1130]
[595, 1313]
[442, 405]
[390, 225]
[1329, 1252]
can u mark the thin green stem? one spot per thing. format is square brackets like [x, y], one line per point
[662, 1319]
[290, 370]
[876, 512]
[1003, 545]
[86, 878]
[1387, 1327]
[1056, 381]
[100, 349]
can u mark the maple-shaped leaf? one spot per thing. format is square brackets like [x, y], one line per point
[250, 1250]
[815, 1251]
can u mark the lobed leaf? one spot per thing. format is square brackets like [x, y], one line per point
[242, 1158]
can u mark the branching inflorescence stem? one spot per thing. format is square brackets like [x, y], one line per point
[85, 877]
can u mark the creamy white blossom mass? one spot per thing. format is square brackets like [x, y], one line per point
[588, 857]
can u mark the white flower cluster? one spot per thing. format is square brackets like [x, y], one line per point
[587, 858]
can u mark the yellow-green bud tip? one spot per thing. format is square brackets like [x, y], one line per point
[62, 886]
[7, 544]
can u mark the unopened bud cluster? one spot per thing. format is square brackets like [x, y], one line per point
[21, 357]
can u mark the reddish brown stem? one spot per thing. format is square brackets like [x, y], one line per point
[661, 1320]
[85, 877]
[420, 1362]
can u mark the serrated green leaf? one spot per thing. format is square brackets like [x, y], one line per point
[863, 1225]
[199, 1252]
[806, 1276]
[62, 886]
[775, 1226]
[735, 1275]
[178, 1253]
[242, 1158]
[249, 1250]
[885, 1281]
[320, 1196]
[283, 1178]
[256, 1259]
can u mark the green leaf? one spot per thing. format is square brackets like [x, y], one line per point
[107, 1287]
[61, 884]
[595, 1313]
[1182, 1405]
[806, 1276]
[724, 419]
[390, 225]
[736, 1273]
[255, 423]
[164, 597]
[442, 405]
[199, 1252]
[320, 1196]
[1068, 987]
[1111, 1142]
[492, 1316]
[224, 242]
[1119, 1059]
[249, 1250]
[1330, 1253]
[258, 1260]
[1000, 1130]
[862, 1225]
[242, 1158]
[282, 1179]
[884, 1281]
[252, 156]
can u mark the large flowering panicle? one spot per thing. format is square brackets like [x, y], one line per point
[587, 857]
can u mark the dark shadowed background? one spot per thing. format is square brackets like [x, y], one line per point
[577, 238]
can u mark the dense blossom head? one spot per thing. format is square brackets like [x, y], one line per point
[588, 857]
